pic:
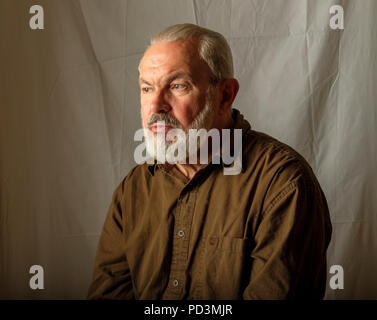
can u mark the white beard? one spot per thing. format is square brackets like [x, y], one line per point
[159, 147]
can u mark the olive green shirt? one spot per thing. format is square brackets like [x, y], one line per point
[261, 234]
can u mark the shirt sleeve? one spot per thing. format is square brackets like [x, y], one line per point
[289, 253]
[111, 276]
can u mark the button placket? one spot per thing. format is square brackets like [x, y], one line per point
[182, 225]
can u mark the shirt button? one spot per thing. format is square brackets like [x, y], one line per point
[181, 233]
[175, 283]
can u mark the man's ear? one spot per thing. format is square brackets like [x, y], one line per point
[228, 91]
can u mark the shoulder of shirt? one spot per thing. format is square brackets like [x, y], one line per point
[138, 172]
[281, 169]
[264, 151]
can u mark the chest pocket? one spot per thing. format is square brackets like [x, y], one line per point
[226, 265]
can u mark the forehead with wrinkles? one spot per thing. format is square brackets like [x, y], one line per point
[164, 59]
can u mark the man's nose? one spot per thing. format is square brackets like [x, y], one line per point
[159, 103]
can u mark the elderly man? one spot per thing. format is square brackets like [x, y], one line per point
[187, 230]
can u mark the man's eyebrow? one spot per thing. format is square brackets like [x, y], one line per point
[177, 75]
[141, 80]
[170, 78]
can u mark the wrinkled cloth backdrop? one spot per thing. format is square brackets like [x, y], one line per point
[70, 107]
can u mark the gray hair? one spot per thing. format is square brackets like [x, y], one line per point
[213, 48]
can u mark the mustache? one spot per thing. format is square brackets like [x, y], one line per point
[169, 120]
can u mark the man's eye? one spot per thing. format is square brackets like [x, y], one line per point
[146, 89]
[178, 86]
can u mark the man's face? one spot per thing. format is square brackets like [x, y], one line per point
[173, 81]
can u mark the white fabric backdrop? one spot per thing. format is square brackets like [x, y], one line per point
[69, 110]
